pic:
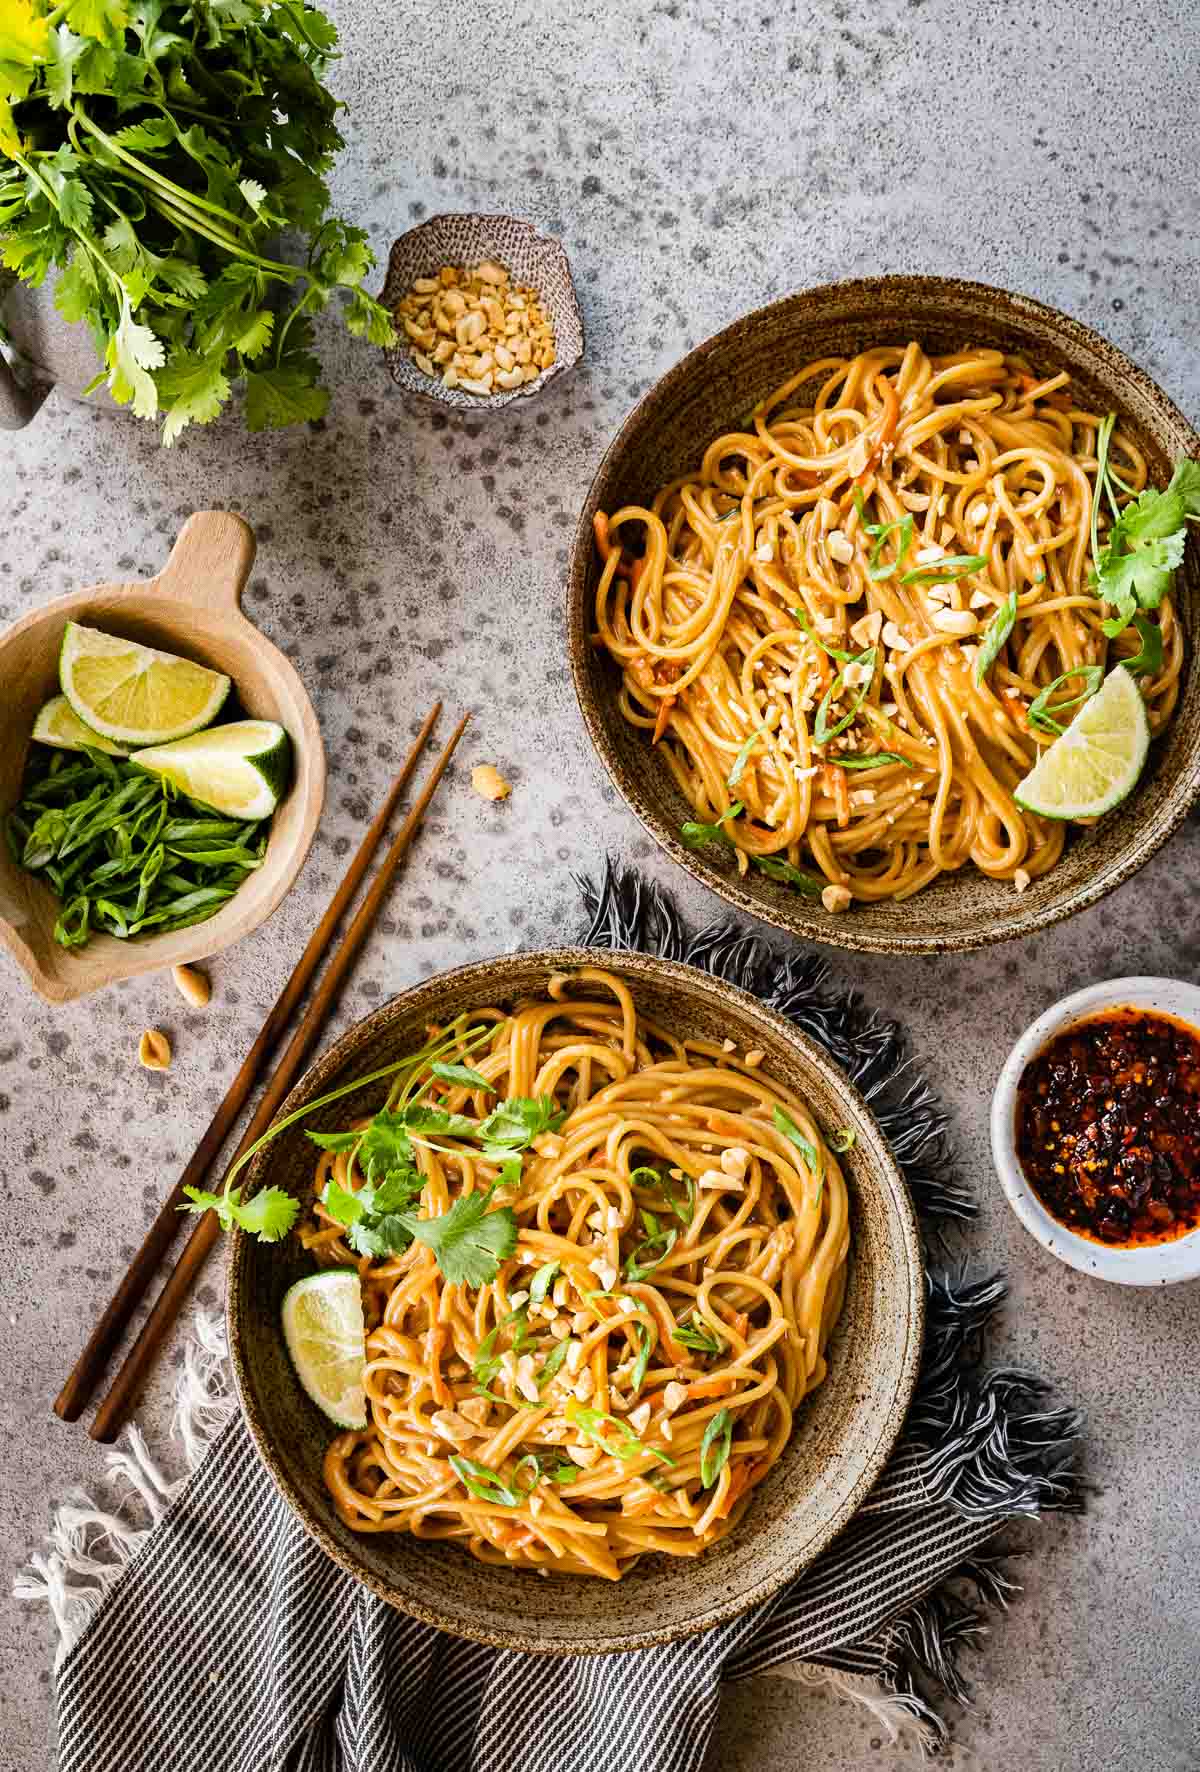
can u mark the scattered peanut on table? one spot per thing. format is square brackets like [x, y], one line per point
[474, 328]
[488, 782]
[154, 1050]
[192, 985]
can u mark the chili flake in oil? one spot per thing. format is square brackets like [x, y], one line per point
[1108, 1127]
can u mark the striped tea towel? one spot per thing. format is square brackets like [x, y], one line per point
[221, 1639]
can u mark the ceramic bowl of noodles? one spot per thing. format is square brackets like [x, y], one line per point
[671, 1356]
[833, 598]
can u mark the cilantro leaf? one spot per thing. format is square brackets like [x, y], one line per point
[462, 1073]
[193, 390]
[696, 835]
[515, 1124]
[284, 395]
[1185, 483]
[268, 1215]
[469, 1241]
[389, 1234]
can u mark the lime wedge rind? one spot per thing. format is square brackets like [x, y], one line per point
[241, 769]
[136, 695]
[325, 1335]
[1096, 762]
[59, 725]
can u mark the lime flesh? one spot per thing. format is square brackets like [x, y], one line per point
[1097, 760]
[326, 1337]
[135, 695]
[59, 725]
[240, 769]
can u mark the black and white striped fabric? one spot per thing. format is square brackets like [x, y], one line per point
[232, 1644]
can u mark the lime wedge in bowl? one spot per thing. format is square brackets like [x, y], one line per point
[327, 1339]
[135, 695]
[59, 725]
[1097, 760]
[240, 769]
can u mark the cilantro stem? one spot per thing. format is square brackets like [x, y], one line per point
[144, 174]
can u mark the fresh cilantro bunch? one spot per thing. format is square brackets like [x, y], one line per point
[1146, 543]
[152, 153]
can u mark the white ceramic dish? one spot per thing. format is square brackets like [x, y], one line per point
[1158, 1264]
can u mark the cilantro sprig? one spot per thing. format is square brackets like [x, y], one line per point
[150, 156]
[1136, 567]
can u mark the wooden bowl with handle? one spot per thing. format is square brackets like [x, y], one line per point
[192, 608]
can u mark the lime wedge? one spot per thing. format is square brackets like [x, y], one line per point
[327, 1339]
[59, 725]
[240, 769]
[135, 695]
[1097, 760]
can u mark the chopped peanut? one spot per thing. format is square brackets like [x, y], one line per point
[496, 335]
[488, 782]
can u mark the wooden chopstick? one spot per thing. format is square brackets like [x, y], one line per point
[114, 1408]
[76, 1393]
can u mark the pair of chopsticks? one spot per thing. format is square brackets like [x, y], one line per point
[85, 1376]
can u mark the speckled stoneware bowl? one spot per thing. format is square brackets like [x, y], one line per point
[466, 240]
[843, 1433]
[707, 393]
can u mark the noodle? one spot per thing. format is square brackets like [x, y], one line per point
[986, 460]
[677, 1202]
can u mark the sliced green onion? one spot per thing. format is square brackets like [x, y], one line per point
[869, 759]
[554, 1361]
[998, 630]
[776, 868]
[542, 1281]
[1040, 715]
[842, 1139]
[484, 1483]
[822, 730]
[830, 651]
[697, 835]
[647, 1339]
[945, 570]
[714, 1447]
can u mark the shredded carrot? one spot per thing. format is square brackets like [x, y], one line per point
[435, 1342]
[635, 571]
[643, 1505]
[604, 542]
[887, 428]
[664, 716]
[719, 1385]
[738, 1321]
[739, 1482]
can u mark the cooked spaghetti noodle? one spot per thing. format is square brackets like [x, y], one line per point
[902, 504]
[689, 1227]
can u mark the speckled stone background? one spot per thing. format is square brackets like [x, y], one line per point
[696, 160]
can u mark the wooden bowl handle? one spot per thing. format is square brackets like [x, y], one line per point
[210, 562]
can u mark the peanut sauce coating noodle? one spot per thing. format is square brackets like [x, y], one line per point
[682, 1236]
[838, 499]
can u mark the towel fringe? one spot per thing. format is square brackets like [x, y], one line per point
[903, 1715]
[89, 1547]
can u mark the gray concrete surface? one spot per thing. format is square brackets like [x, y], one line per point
[697, 160]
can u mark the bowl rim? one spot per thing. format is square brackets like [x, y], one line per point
[1155, 1264]
[885, 1174]
[1026, 917]
[395, 355]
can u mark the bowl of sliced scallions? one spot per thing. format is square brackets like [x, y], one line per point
[162, 774]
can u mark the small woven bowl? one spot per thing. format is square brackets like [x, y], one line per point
[466, 240]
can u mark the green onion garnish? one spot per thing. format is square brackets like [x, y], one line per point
[714, 1447]
[822, 730]
[1043, 718]
[998, 630]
